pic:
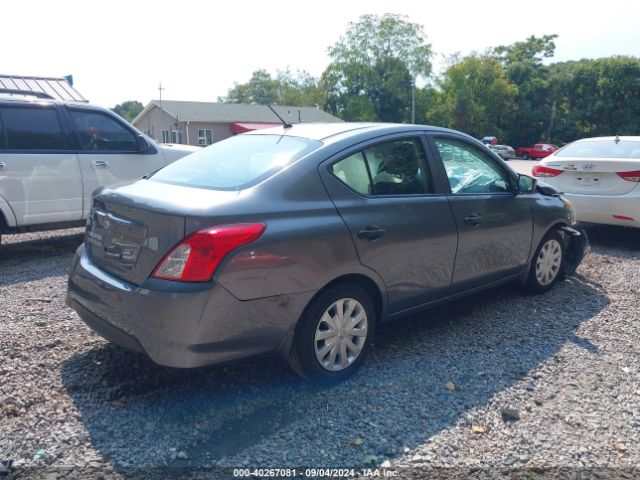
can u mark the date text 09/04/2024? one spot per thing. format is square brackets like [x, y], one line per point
[313, 472]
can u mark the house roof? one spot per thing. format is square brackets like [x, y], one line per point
[214, 112]
[57, 88]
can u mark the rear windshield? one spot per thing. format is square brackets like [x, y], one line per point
[601, 149]
[237, 162]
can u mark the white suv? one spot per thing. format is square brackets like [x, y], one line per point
[54, 154]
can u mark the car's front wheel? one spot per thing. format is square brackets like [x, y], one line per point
[546, 264]
[334, 334]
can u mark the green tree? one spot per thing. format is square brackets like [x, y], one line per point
[523, 64]
[374, 66]
[299, 89]
[474, 96]
[595, 98]
[129, 109]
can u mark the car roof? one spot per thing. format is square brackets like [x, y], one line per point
[329, 132]
[629, 138]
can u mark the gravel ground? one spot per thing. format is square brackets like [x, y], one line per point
[499, 382]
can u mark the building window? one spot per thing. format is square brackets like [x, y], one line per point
[147, 133]
[205, 137]
[165, 136]
[175, 136]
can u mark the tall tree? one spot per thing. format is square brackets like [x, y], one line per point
[129, 109]
[474, 96]
[524, 67]
[374, 66]
[287, 88]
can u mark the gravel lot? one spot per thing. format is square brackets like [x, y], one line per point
[500, 382]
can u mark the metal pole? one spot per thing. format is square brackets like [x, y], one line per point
[413, 100]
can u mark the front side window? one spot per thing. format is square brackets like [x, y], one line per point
[469, 170]
[237, 162]
[98, 131]
[32, 129]
[391, 168]
[205, 137]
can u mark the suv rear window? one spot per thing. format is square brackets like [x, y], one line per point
[32, 128]
[237, 162]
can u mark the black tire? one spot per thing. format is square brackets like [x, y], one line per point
[303, 359]
[534, 283]
[525, 156]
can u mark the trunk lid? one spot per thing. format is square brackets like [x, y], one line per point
[591, 176]
[132, 226]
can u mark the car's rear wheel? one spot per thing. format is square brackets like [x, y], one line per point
[525, 156]
[334, 334]
[546, 264]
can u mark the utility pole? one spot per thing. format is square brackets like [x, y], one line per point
[160, 89]
[413, 100]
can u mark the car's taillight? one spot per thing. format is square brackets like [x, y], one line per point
[630, 176]
[542, 171]
[196, 257]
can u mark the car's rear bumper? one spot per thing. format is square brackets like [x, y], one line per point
[180, 325]
[609, 210]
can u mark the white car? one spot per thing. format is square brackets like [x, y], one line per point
[601, 176]
[54, 154]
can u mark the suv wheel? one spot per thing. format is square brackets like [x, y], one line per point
[333, 335]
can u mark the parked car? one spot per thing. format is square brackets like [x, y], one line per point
[539, 150]
[301, 240]
[504, 151]
[489, 140]
[54, 154]
[601, 176]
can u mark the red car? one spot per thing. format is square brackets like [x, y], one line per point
[539, 150]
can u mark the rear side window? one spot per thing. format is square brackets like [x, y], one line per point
[98, 131]
[32, 129]
[237, 162]
[353, 172]
[390, 168]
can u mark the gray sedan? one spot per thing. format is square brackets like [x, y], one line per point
[302, 240]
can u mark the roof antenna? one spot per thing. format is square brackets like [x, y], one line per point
[284, 122]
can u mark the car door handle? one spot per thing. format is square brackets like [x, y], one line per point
[473, 220]
[372, 232]
[100, 163]
[3, 165]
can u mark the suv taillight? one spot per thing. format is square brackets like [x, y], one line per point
[542, 171]
[196, 257]
[630, 176]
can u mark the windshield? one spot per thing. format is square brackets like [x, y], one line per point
[237, 162]
[601, 149]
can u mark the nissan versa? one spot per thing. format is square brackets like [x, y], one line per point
[301, 240]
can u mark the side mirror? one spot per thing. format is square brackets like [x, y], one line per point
[142, 143]
[526, 184]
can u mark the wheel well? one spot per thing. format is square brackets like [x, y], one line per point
[3, 223]
[362, 281]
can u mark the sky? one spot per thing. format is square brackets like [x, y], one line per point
[122, 50]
